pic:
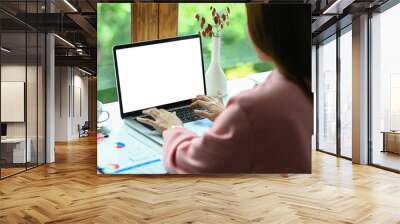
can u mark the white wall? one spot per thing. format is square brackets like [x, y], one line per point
[82, 83]
[70, 83]
[17, 73]
[80, 94]
[11, 73]
[62, 81]
[33, 126]
[13, 101]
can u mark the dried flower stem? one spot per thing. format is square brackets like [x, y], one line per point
[219, 20]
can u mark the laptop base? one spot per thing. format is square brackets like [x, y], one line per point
[199, 127]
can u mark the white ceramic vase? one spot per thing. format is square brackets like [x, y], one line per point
[215, 76]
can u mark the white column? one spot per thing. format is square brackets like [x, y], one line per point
[50, 93]
[360, 90]
[314, 90]
[50, 79]
[63, 103]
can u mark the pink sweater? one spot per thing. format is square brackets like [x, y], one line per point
[263, 130]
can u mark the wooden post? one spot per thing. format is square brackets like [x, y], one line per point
[144, 21]
[168, 22]
[92, 87]
[152, 21]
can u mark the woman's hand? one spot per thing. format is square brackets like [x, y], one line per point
[163, 119]
[213, 105]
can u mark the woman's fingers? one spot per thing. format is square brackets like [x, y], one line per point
[153, 112]
[220, 96]
[199, 104]
[201, 97]
[164, 111]
[146, 121]
[203, 114]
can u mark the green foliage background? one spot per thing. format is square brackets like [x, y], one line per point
[238, 57]
[113, 28]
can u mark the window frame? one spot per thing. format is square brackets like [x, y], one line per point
[380, 9]
[333, 37]
[44, 40]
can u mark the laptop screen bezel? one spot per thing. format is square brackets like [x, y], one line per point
[144, 43]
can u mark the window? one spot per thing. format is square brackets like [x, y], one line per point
[22, 77]
[346, 94]
[238, 57]
[113, 28]
[327, 96]
[335, 137]
[395, 102]
[385, 88]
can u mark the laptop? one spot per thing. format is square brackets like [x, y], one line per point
[165, 74]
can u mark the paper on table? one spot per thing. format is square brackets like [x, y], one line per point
[259, 78]
[121, 153]
[239, 85]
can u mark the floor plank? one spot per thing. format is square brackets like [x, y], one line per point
[70, 191]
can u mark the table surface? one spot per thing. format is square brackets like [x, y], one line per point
[126, 151]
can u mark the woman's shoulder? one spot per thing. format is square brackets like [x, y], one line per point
[277, 97]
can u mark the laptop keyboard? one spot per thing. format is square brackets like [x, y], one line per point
[186, 115]
[146, 125]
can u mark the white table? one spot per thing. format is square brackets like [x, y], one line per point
[126, 151]
[19, 154]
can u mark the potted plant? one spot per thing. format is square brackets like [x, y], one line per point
[215, 77]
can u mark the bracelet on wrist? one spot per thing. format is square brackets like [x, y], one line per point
[176, 126]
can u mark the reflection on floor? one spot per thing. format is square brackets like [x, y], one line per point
[70, 191]
[9, 170]
[387, 159]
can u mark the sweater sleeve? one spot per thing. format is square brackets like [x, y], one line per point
[225, 148]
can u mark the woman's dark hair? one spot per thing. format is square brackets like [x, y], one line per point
[283, 32]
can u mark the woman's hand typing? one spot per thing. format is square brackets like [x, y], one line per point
[213, 106]
[163, 119]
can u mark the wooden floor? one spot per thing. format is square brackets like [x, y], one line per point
[10, 171]
[5, 172]
[69, 191]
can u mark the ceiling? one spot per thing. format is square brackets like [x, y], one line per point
[74, 22]
[332, 15]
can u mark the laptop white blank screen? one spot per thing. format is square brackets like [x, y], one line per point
[158, 74]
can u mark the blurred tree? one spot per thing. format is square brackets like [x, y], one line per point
[113, 28]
